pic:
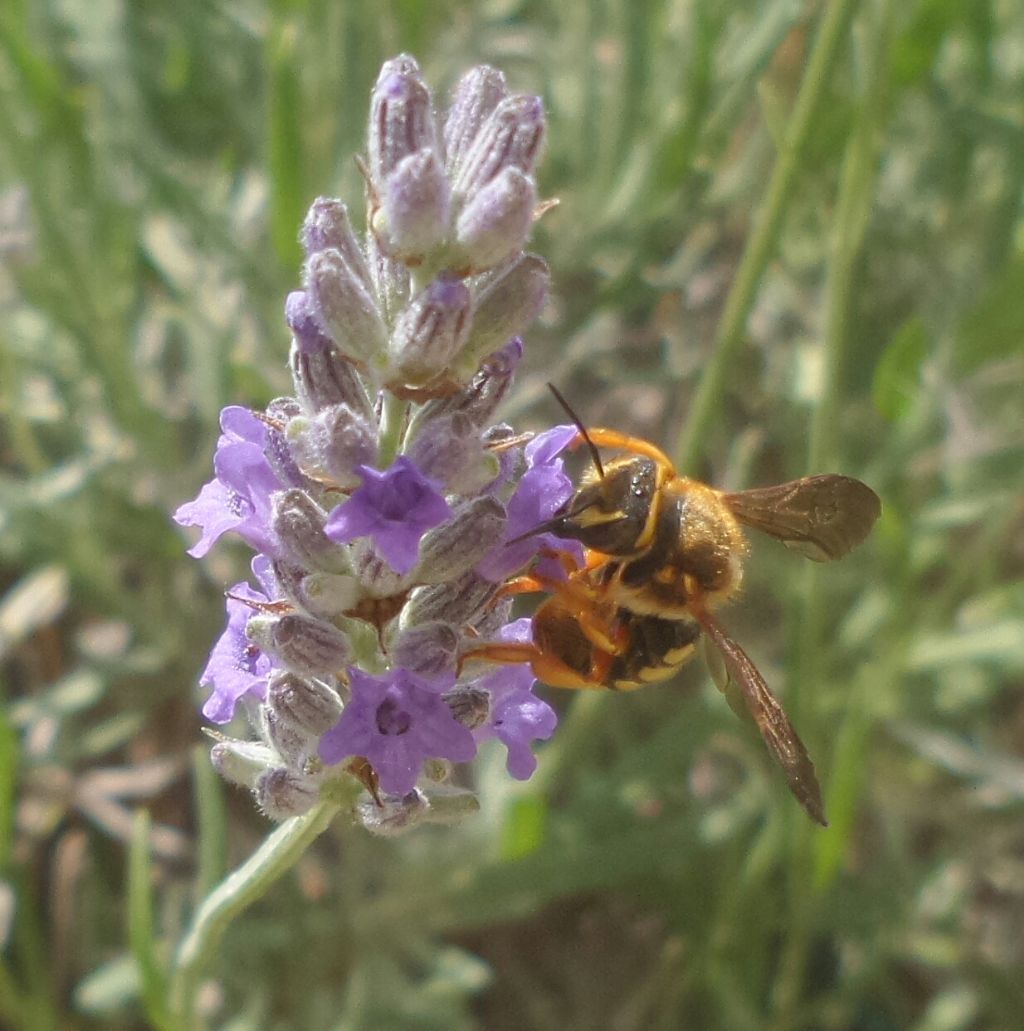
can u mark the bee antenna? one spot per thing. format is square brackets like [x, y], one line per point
[550, 524]
[595, 456]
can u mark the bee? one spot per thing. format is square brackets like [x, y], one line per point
[661, 552]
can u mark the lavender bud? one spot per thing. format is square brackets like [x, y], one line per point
[454, 547]
[429, 649]
[501, 439]
[310, 705]
[375, 576]
[283, 409]
[395, 815]
[503, 433]
[471, 706]
[241, 762]
[401, 120]
[276, 449]
[329, 446]
[391, 280]
[282, 793]
[327, 225]
[414, 209]
[431, 331]
[302, 321]
[289, 579]
[496, 222]
[345, 306]
[455, 601]
[325, 378]
[328, 594]
[445, 449]
[511, 137]
[322, 375]
[475, 96]
[504, 309]
[488, 622]
[480, 398]
[302, 644]
[291, 743]
[298, 522]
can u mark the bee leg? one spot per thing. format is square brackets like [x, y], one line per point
[503, 652]
[616, 441]
[521, 585]
[533, 583]
[609, 636]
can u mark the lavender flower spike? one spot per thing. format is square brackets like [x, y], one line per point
[380, 496]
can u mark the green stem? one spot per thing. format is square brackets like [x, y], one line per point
[392, 424]
[764, 237]
[234, 895]
[853, 207]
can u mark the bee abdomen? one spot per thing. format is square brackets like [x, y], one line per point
[659, 648]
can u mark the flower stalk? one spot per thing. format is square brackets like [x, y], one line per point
[278, 854]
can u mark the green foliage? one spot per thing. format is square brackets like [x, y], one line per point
[789, 235]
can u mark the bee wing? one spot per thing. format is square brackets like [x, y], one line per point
[822, 517]
[778, 733]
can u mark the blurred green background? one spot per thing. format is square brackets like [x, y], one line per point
[790, 239]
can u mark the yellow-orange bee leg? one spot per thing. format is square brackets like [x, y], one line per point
[548, 668]
[608, 636]
[555, 673]
[534, 583]
[545, 667]
[614, 440]
[505, 652]
[594, 560]
[522, 585]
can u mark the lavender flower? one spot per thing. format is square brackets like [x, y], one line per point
[238, 497]
[516, 716]
[396, 721]
[381, 497]
[395, 508]
[237, 668]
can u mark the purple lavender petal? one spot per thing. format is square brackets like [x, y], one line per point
[518, 717]
[213, 511]
[519, 631]
[299, 314]
[395, 508]
[547, 446]
[539, 494]
[236, 666]
[396, 721]
[238, 498]
[543, 489]
[263, 569]
[550, 567]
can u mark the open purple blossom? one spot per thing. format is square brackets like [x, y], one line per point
[236, 667]
[394, 508]
[238, 498]
[543, 489]
[517, 716]
[396, 722]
